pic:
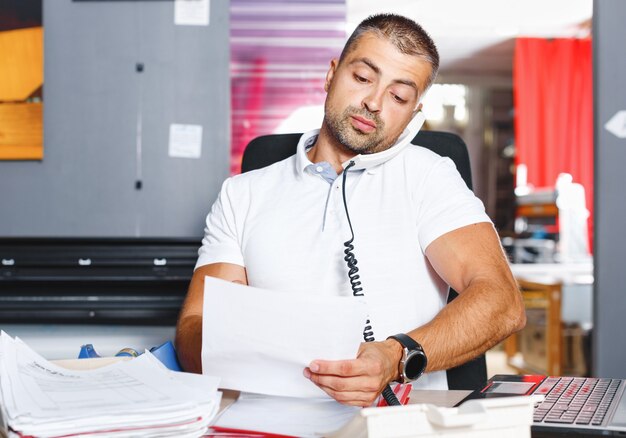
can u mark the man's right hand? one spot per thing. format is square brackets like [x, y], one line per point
[358, 382]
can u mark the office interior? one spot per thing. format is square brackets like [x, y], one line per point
[119, 120]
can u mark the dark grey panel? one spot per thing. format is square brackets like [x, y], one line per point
[93, 101]
[609, 343]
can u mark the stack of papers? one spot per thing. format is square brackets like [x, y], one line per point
[285, 416]
[136, 398]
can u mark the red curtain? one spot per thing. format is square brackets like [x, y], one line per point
[552, 82]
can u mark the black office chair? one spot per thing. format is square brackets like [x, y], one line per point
[268, 149]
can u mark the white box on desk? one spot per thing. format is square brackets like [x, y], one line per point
[495, 417]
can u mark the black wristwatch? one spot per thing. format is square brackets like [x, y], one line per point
[413, 362]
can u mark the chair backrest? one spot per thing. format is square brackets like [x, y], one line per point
[268, 149]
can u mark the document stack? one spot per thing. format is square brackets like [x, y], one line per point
[136, 398]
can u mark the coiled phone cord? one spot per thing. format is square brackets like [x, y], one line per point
[355, 284]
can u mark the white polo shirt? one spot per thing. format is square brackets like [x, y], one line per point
[286, 225]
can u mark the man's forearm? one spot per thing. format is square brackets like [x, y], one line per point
[475, 321]
[189, 328]
[189, 343]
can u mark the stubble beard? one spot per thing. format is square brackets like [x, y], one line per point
[352, 139]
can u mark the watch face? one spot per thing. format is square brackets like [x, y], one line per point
[415, 365]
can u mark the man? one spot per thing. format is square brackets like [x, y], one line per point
[418, 228]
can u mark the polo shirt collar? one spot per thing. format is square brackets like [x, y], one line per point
[302, 160]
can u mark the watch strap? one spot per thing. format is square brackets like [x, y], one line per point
[406, 341]
[409, 345]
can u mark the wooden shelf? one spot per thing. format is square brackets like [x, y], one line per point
[21, 131]
[21, 63]
[21, 79]
[537, 210]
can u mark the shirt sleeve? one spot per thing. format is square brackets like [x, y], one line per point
[221, 242]
[447, 204]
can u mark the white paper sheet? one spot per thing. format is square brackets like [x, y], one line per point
[191, 12]
[260, 341]
[286, 415]
[185, 141]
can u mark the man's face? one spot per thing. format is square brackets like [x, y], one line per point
[373, 94]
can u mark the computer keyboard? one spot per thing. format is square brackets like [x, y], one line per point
[575, 400]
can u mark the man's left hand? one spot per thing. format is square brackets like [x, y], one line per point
[357, 382]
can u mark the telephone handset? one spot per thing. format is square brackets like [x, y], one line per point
[363, 161]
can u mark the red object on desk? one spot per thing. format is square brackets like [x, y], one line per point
[229, 432]
[401, 391]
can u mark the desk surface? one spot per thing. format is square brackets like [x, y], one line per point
[436, 397]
